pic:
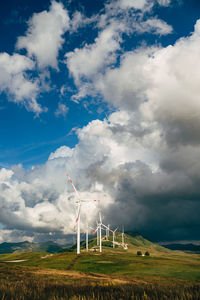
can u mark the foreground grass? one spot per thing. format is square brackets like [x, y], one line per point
[24, 283]
[110, 275]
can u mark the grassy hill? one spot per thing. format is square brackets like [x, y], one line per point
[134, 241]
[113, 274]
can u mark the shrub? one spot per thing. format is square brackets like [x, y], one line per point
[139, 253]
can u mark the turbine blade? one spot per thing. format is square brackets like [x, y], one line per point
[77, 194]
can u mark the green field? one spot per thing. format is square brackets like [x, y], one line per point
[114, 274]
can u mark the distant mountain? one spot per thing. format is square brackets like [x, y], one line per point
[183, 247]
[25, 246]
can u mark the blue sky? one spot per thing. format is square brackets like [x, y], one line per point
[107, 91]
[27, 138]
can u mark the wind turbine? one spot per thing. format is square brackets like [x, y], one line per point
[78, 202]
[107, 231]
[123, 236]
[87, 238]
[78, 216]
[113, 232]
[99, 227]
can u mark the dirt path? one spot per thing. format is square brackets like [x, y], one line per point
[73, 263]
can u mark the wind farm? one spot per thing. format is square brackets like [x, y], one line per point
[99, 225]
[106, 262]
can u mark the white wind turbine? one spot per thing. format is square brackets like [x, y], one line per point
[113, 232]
[79, 202]
[99, 228]
[87, 237]
[123, 236]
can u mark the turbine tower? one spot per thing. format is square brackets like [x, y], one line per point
[123, 236]
[98, 230]
[79, 202]
[113, 232]
[78, 216]
[87, 238]
[100, 226]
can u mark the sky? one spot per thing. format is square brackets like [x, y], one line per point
[108, 92]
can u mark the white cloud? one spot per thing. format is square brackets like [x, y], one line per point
[161, 84]
[63, 151]
[15, 82]
[43, 39]
[142, 5]
[155, 26]
[88, 64]
[61, 110]
[41, 200]
[137, 4]
[126, 86]
[164, 2]
[87, 61]
[112, 163]
[5, 174]
[79, 20]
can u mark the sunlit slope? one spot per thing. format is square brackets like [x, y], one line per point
[137, 242]
[161, 264]
[133, 242]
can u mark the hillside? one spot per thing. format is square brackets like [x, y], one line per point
[133, 242]
[49, 247]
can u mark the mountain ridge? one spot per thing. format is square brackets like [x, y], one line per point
[25, 246]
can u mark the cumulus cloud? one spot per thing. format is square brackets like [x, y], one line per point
[44, 39]
[5, 174]
[63, 151]
[124, 17]
[159, 84]
[139, 184]
[15, 82]
[87, 61]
